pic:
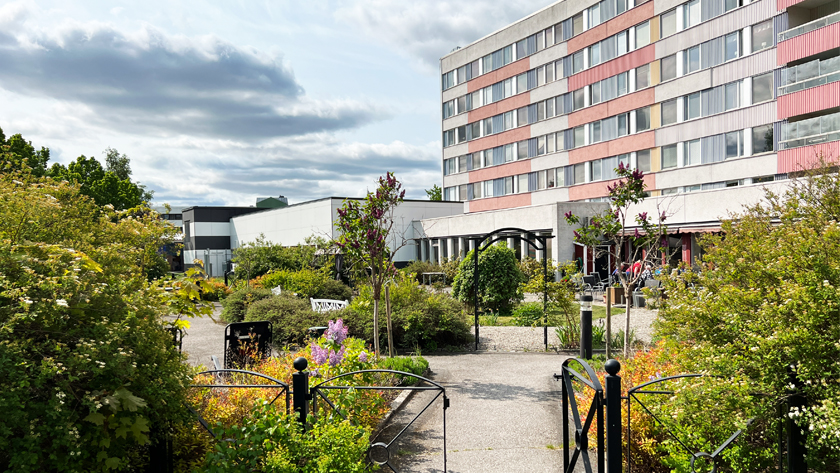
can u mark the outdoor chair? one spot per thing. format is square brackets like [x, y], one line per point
[327, 305]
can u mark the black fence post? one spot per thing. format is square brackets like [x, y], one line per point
[586, 326]
[795, 432]
[161, 452]
[612, 393]
[300, 390]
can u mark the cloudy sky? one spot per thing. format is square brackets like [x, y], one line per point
[217, 103]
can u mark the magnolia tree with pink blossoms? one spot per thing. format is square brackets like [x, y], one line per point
[608, 233]
[366, 229]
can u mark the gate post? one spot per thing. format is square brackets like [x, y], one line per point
[612, 393]
[300, 390]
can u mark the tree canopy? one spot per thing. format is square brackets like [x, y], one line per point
[111, 185]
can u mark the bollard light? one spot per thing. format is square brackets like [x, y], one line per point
[586, 325]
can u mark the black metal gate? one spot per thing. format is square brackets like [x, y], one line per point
[379, 452]
[483, 242]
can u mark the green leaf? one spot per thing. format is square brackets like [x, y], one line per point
[96, 418]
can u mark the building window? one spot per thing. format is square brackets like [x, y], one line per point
[692, 152]
[621, 40]
[668, 23]
[691, 13]
[595, 94]
[448, 80]
[762, 35]
[642, 119]
[595, 132]
[691, 60]
[622, 124]
[595, 54]
[642, 34]
[643, 160]
[622, 83]
[577, 60]
[669, 67]
[577, 24]
[692, 106]
[579, 137]
[669, 156]
[731, 4]
[762, 139]
[734, 144]
[579, 173]
[762, 88]
[732, 48]
[642, 77]
[595, 170]
[579, 98]
[669, 112]
[733, 95]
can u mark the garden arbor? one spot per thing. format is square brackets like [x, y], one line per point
[538, 242]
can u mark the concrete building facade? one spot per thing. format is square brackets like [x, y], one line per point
[712, 99]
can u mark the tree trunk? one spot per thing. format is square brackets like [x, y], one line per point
[626, 322]
[388, 317]
[376, 325]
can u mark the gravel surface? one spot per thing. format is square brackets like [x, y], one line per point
[531, 339]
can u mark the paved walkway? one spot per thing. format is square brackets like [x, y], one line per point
[504, 416]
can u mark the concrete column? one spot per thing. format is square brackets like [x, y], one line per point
[511, 243]
[540, 253]
[450, 248]
[440, 250]
[472, 245]
[424, 250]
[462, 248]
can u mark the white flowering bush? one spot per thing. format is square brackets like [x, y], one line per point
[88, 370]
[766, 308]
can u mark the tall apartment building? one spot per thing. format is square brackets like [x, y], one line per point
[712, 99]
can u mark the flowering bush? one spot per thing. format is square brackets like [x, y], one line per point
[700, 413]
[88, 370]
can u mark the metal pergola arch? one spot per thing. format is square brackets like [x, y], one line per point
[483, 242]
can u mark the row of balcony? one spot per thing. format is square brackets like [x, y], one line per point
[810, 132]
[810, 74]
[810, 26]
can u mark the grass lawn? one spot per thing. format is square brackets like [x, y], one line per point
[598, 312]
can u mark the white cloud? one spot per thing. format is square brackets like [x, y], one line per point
[430, 29]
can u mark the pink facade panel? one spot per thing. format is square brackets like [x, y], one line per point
[611, 27]
[806, 157]
[809, 100]
[599, 189]
[806, 45]
[623, 145]
[783, 5]
[506, 105]
[608, 69]
[613, 107]
[517, 134]
[491, 78]
[503, 170]
[497, 203]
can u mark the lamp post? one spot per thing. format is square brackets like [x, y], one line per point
[586, 325]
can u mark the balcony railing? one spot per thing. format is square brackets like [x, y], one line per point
[810, 132]
[810, 74]
[808, 27]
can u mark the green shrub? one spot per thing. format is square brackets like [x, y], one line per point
[305, 283]
[274, 442]
[420, 318]
[334, 289]
[528, 314]
[236, 305]
[408, 364]
[88, 371]
[499, 278]
[290, 317]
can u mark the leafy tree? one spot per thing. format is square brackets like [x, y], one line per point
[259, 257]
[120, 165]
[499, 278]
[366, 229]
[103, 186]
[766, 307]
[435, 193]
[16, 154]
[89, 370]
[609, 230]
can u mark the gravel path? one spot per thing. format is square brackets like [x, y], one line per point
[531, 339]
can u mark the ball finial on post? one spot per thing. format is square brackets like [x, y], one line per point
[612, 366]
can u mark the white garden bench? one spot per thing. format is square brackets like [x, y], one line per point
[327, 305]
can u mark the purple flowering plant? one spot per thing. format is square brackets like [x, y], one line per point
[336, 352]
